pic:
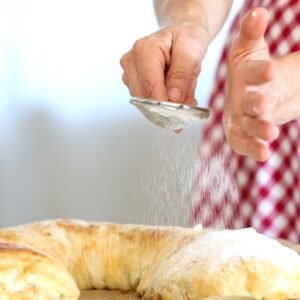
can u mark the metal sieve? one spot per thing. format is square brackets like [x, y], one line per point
[170, 115]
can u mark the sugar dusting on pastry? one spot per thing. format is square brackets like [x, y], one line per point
[245, 243]
[177, 264]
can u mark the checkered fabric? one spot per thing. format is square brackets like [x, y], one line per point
[267, 194]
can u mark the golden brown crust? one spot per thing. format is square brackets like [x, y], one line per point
[29, 274]
[120, 252]
[158, 262]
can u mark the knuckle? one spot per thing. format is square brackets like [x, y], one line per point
[138, 46]
[230, 140]
[196, 71]
[148, 86]
[124, 79]
[236, 148]
[227, 122]
[179, 73]
[123, 61]
[149, 42]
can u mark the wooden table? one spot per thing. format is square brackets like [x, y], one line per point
[113, 295]
[105, 295]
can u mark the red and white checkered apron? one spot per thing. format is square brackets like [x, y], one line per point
[268, 193]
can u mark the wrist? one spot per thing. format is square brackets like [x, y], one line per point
[190, 14]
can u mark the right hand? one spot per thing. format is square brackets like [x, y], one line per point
[165, 65]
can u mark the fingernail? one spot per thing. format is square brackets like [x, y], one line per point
[174, 95]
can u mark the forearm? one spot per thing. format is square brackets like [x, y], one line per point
[208, 13]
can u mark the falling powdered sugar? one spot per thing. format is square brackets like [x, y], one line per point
[166, 181]
[178, 179]
[215, 195]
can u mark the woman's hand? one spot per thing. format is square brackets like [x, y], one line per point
[257, 91]
[166, 64]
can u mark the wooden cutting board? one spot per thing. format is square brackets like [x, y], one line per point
[105, 295]
[114, 295]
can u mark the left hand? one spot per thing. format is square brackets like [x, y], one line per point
[257, 87]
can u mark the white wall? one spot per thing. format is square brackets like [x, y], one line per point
[71, 145]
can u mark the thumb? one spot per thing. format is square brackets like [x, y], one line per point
[183, 70]
[253, 28]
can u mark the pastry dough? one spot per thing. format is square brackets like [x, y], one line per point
[53, 259]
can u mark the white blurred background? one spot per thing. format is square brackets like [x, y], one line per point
[70, 144]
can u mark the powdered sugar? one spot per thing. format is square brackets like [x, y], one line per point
[179, 177]
[228, 250]
[167, 180]
[215, 194]
[222, 246]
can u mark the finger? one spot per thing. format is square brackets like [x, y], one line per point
[251, 147]
[190, 96]
[191, 89]
[256, 72]
[260, 129]
[184, 66]
[254, 104]
[133, 85]
[151, 60]
[190, 99]
[124, 79]
[130, 76]
[178, 131]
[252, 30]
[123, 61]
[191, 102]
